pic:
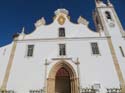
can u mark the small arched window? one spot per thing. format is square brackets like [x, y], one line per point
[108, 15]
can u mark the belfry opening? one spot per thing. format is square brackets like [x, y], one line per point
[62, 79]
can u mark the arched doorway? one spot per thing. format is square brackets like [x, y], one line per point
[62, 74]
[62, 82]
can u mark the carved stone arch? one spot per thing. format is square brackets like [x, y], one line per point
[60, 64]
[52, 75]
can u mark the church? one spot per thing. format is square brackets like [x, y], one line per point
[67, 57]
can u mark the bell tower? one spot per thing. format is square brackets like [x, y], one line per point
[106, 19]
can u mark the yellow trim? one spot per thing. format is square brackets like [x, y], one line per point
[117, 67]
[9, 65]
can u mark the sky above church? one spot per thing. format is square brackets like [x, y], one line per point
[15, 14]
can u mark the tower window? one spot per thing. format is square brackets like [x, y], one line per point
[62, 49]
[30, 50]
[122, 51]
[61, 32]
[108, 15]
[95, 49]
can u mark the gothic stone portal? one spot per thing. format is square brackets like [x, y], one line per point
[62, 79]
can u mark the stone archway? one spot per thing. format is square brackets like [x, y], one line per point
[51, 81]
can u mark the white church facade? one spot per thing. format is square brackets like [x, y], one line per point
[67, 57]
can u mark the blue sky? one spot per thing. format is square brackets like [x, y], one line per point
[14, 14]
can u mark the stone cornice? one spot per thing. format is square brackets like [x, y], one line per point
[64, 39]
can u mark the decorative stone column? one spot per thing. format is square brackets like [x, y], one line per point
[9, 66]
[51, 85]
[116, 64]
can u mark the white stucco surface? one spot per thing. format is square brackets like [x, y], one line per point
[28, 73]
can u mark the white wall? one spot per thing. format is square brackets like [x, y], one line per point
[116, 36]
[4, 57]
[29, 73]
